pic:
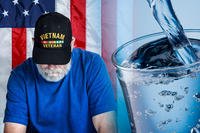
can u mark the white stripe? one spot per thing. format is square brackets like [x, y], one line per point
[6, 65]
[93, 26]
[29, 43]
[63, 7]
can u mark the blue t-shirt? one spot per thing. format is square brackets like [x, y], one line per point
[66, 106]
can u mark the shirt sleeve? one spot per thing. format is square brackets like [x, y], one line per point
[16, 104]
[100, 91]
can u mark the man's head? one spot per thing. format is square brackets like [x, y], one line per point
[52, 38]
[52, 49]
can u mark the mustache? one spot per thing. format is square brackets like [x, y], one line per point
[48, 71]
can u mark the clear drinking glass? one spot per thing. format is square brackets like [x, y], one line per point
[164, 100]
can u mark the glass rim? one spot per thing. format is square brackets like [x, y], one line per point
[176, 68]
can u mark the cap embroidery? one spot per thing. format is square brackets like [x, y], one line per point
[52, 36]
[55, 43]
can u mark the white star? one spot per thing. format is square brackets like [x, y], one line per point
[36, 2]
[5, 13]
[25, 12]
[15, 2]
[45, 12]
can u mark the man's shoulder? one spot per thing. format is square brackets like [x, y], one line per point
[84, 54]
[24, 66]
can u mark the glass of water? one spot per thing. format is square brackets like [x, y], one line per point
[162, 99]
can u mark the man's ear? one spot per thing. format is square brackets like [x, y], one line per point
[72, 42]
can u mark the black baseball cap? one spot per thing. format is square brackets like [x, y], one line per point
[52, 39]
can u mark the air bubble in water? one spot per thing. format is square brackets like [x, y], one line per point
[168, 107]
[167, 93]
[138, 113]
[186, 90]
[149, 112]
[174, 93]
[177, 120]
[162, 124]
[161, 105]
[164, 93]
[197, 96]
[178, 97]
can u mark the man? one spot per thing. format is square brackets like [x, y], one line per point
[59, 91]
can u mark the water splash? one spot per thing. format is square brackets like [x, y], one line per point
[165, 16]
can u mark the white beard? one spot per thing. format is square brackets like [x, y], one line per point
[54, 74]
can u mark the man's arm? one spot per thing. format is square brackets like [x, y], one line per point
[10, 127]
[105, 122]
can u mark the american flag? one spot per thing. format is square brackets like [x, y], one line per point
[93, 24]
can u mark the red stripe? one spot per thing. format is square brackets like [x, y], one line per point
[109, 35]
[18, 46]
[78, 19]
